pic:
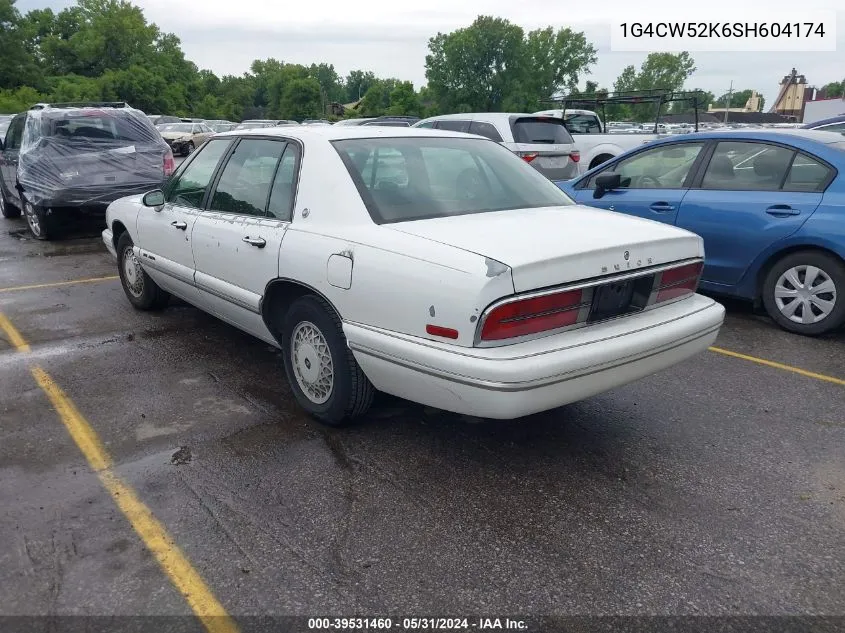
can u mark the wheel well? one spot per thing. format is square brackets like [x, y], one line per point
[117, 229]
[601, 158]
[775, 257]
[279, 294]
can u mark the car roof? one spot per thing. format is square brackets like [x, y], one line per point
[834, 119]
[488, 117]
[336, 133]
[819, 136]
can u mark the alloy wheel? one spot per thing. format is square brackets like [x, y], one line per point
[32, 220]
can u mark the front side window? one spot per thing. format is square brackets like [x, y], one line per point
[747, 166]
[15, 133]
[245, 181]
[657, 168]
[404, 179]
[833, 127]
[187, 189]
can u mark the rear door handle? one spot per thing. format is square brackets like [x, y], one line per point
[662, 207]
[255, 241]
[782, 210]
[176, 224]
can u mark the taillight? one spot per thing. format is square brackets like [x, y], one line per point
[169, 164]
[575, 155]
[678, 282]
[528, 156]
[530, 316]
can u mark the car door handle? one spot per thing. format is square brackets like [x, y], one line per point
[662, 207]
[255, 241]
[782, 210]
[176, 224]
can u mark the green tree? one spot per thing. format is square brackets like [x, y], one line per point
[139, 87]
[17, 66]
[403, 100]
[738, 99]
[493, 65]
[301, 99]
[659, 71]
[357, 83]
[19, 99]
[834, 89]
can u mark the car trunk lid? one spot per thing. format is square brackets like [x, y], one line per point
[551, 246]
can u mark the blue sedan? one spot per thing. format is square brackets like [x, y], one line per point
[769, 205]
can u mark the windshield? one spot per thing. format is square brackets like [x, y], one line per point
[536, 130]
[403, 179]
[176, 127]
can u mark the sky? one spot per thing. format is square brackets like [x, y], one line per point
[390, 38]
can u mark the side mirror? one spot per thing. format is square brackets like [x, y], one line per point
[607, 182]
[154, 199]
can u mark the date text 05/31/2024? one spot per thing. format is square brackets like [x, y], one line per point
[417, 624]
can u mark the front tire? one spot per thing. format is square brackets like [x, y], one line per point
[6, 207]
[804, 293]
[323, 374]
[40, 225]
[189, 149]
[143, 293]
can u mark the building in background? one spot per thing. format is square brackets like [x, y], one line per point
[752, 105]
[792, 96]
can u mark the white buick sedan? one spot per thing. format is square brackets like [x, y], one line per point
[435, 266]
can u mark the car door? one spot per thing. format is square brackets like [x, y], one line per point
[165, 234]
[9, 158]
[751, 195]
[238, 236]
[653, 182]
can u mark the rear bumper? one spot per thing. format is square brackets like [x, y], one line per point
[516, 380]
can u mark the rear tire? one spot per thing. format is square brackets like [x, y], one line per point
[6, 207]
[598, 160]
[323, 374]
[143, 293]
[41, 225]
[806, 286]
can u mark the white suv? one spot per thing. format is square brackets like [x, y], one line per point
[543, 142]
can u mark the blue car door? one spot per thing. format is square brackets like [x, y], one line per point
[653, 182]
[751, 195]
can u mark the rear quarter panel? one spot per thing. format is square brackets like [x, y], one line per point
[399, 282]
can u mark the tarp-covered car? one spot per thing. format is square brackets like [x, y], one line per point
[63, 161]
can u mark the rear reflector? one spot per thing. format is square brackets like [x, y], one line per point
[445, 332]
[528, 156]
[530, 316]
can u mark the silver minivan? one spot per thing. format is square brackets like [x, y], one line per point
[541, 141]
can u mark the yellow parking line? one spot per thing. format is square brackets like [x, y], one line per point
[154, 535]
[15, 337]
[56, 284]
[770, 363]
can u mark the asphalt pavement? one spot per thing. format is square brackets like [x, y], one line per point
[717, 487]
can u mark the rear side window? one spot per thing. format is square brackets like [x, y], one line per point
[487, 130]
[427, 124]
[244, 185]
[747, 166]
[534, 130]
[284, 185]
[807, 174]
[453, 125]
[582, 124]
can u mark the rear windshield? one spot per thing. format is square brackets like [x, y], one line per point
[249, 126]
[404, 179]
[540, 130]
[176, 127]
[100, 126]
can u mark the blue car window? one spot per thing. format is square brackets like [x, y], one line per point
[747, 166]
[807, 174]
[663, 167]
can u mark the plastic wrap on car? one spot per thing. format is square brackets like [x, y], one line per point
[64, 162]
